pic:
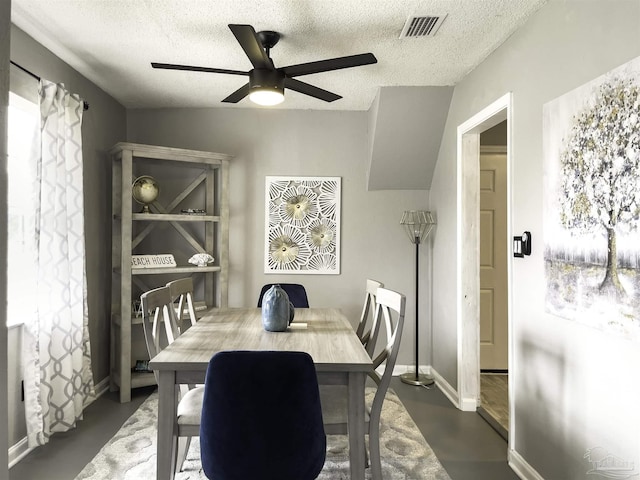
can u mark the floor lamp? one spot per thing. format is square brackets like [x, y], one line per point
[418, 225]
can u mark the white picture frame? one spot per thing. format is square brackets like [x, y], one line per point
[302, 225]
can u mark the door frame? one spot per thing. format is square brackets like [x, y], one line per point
[468, 250]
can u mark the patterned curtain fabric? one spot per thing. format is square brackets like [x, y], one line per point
[56, 349]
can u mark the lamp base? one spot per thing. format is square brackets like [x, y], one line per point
[419, 379]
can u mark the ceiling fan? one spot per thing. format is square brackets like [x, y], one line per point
[266, 82]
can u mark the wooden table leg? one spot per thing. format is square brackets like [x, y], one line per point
[167, 429]
[356, 425]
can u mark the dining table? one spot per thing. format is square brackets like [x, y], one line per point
[324, 333]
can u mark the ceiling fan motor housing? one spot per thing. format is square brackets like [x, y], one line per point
[268, 39]
[266, 79]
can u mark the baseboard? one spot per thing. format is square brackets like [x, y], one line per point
[441, 383]
[520, 466]
[402, 369]
[21, 449]
[100, 388]
[446, 388]
[18, 451]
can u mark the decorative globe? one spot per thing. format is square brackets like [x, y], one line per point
[145, 191]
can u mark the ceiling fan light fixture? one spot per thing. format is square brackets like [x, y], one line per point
[266, 96]
[267, 87]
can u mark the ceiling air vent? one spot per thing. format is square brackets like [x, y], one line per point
[422, 26]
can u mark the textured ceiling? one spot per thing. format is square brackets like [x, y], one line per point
[113, 42]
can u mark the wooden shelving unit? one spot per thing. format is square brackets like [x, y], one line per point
[187, 179]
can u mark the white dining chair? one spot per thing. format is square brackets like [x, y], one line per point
[368, 310]
[390, 307]
[182, 295]
[158, 311]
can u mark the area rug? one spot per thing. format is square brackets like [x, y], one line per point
[131, 453]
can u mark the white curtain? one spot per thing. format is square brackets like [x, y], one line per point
[56, 349]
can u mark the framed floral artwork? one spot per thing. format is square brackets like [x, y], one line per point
[302, 231]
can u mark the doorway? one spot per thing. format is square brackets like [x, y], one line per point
[468, 252]
[494, 287]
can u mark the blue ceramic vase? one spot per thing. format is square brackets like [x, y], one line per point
[277, 310]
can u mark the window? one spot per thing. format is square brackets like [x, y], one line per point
[23, 131]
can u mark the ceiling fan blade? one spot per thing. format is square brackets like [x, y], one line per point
[302, 87]
[250, 43]
[191, 68]
[328, 65]
[239, 94]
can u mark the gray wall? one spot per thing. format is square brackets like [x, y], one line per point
[575, 387]
[495, 135]
[103, 126]
[405, 134]
[305, 143]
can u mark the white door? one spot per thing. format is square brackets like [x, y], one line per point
[493, 262]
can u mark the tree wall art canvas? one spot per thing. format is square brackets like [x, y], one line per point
[302, 233]
[592, 202]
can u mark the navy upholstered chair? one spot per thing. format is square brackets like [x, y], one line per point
[262, 417]
[296, 292]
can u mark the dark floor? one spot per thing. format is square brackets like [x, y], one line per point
[467, 447]
[67, 453]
